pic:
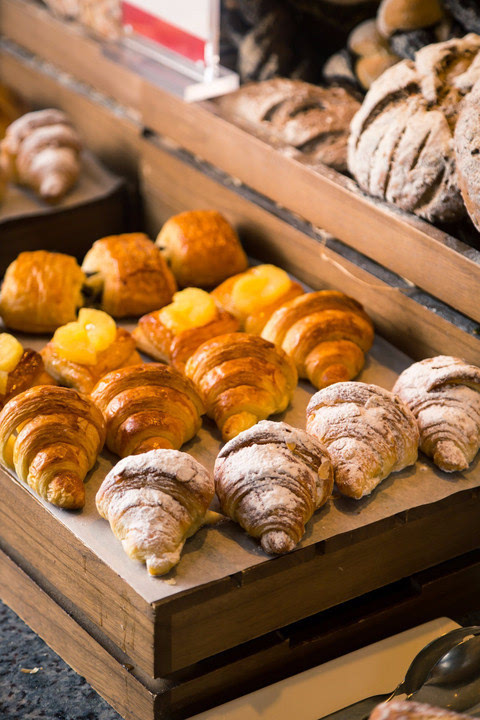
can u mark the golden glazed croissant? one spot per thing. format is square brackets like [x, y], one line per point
[41, 290]
[326, 333]
[368, 431]
[41, 150]
[252, 296]
[201, 247]
[175, 332]
[242, 379]
[148, 407]
[271, 479]
[127, 275]
[154, 502]
[51, 437]
[444, 395]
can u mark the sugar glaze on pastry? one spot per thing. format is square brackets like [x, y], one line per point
[154, 502]
[271, 479]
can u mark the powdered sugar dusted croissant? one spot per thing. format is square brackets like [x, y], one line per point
[326, 333]
[41, 150]
[444, 395]
[148, 407]
[154, 502]
[369, 433]
[51, 436]
[242, 379]
[271, 479]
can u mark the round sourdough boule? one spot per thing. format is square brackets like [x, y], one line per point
[401, 140]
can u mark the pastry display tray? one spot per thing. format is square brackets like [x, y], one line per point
[226, 590]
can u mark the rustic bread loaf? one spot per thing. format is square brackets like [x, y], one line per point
[467, 152]
[312, 119]
[401, 141]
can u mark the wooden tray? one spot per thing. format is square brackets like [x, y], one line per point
[443, 265]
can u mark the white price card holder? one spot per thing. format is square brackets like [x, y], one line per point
[176, 42]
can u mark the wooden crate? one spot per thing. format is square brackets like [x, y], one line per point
[443, 266]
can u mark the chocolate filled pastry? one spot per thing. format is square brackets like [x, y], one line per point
[443, 393]
[326, 333]
[127, 275]
[368, 431]
[242, 379]
[312, 120]
[202, 248]
[42, 151]
[20, 368]
[148, 407]
[41, 290]
[270, 479]
[252, 296]
[154, 502]
[173, 333]
[83, 351]
[51, 437]
[401, 142]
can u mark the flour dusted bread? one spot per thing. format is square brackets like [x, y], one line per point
[41, 290]
[271, 479]
[51, 437]
[42, 151]
[443, 393]
[325, 333]
[313, 120]
[127, 275]
[401, 140]
[154, 502]
[408, 710]
[201, 247]
[148, 407]
[242, 379]
[467, 153]
[368, 431]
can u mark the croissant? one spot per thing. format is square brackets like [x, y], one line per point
[41, 150]
[252, 296]
[154, 502]
[175, 332]
[41, 290]
[127, 275]
[148, 407]
[51, 436]
[326, 333]
[369, 433]
[201, 247]
[242, 379]
[444, 395]
[270, 479]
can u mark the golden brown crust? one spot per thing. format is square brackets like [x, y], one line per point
[134, 275]
[161, 343]
[148, 407]
[120, 353]
[326, 333]
[61, 434]
[252, 322]
[242, 379]
[202, 248]
[41, 291]
[28, 373]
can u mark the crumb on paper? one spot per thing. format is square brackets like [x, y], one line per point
[31, 671]
[170, 581]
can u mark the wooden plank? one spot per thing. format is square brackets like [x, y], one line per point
[402, 320]
[443, 266]
[324, 581]
[108, 677]
[77, 573]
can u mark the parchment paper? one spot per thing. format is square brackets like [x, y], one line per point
[218, 551]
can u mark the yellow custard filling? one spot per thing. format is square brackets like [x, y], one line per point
[259, 287]
[190, 308]
[10, 353]
[80, 341]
